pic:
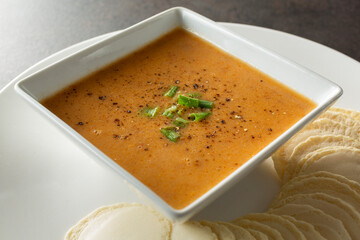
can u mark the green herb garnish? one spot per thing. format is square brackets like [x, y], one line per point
[180, 122]
[188, 102]
[170, 133]
[170, 111]
[205, 104]
[191, 100]
[194, 95]
[149, 112]
[194, 102]
[171, 92]
[180, 112]
[197, 117]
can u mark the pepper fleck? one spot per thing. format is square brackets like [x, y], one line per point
[102, 97]
[80, 123]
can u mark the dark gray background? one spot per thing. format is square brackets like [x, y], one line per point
[33, 29]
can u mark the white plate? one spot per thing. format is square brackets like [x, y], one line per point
[44, 191]
[65, 72]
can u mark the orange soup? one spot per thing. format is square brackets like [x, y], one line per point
[218, 113]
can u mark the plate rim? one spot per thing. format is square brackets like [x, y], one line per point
[260, 28]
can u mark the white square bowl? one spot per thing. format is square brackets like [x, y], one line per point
[63, 73]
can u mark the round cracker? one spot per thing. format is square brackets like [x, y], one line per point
[340, 117]
[271, 233]
[287, 229]
[344, 161]
[121, 221]
[330, 205]
[348, 127]
[328, 226]
[310, 155]
[322, 182]
[257, 235]
[192, 231]
[311, 144]
[239, 232]
[348, 112]
[221, 231]
[318, 127]
[306, 228]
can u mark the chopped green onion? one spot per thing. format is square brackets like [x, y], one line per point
[197, 117]
[193, 102]
[180, 112]
[171, 92]
[180, 122]
[188, 102]
[170, 133]
[205, 104]
[149, 112]
[170, 111]
[194, 95]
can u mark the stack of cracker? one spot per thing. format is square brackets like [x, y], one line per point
[319, 169]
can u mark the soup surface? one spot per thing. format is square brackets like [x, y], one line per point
[250, 110]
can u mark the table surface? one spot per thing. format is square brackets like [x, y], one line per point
[34, 29]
